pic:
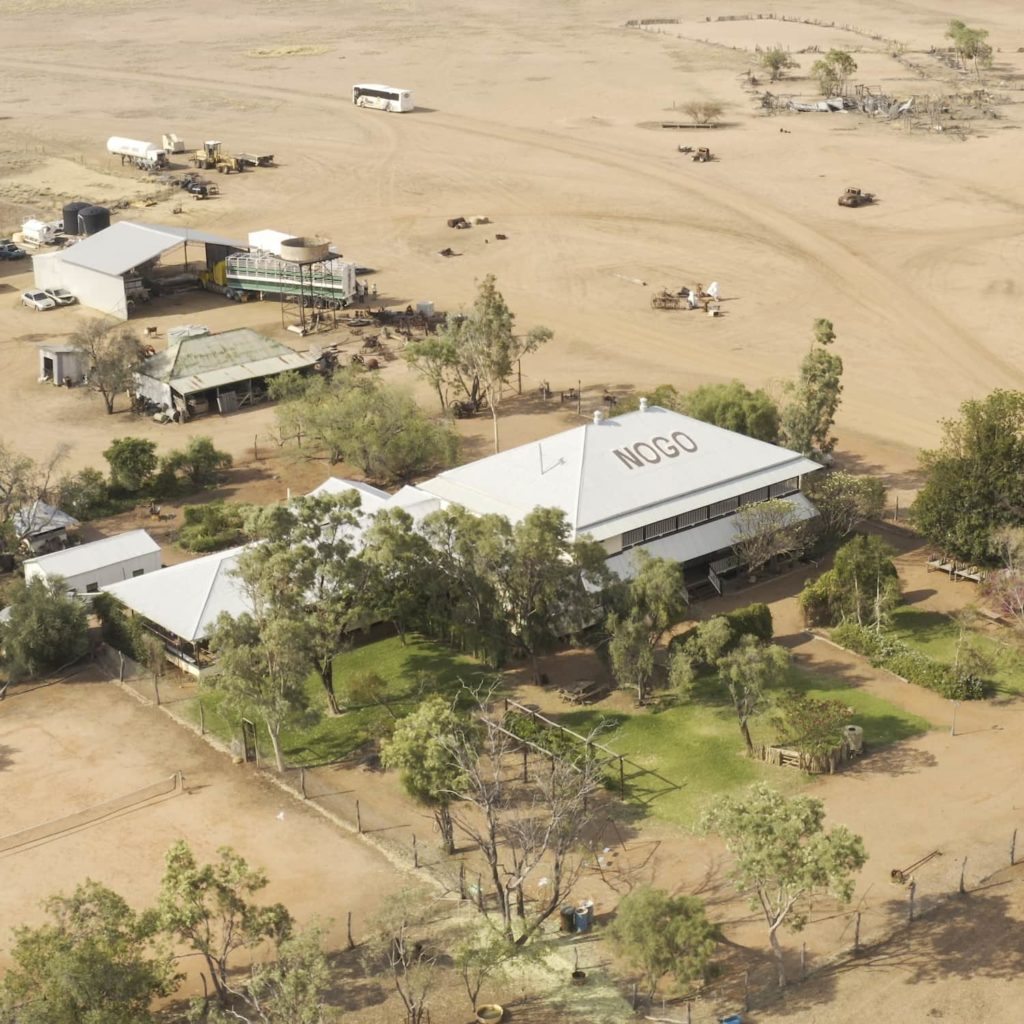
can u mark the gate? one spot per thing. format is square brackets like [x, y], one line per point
[250, 750]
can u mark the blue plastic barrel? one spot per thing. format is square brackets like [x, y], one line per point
[733, 1018]
[583, 918]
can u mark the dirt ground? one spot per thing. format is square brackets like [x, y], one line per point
[541, 117]
[66, 747]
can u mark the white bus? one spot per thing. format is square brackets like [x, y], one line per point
[383, 97]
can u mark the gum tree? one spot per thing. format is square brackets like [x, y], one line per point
[784, 857]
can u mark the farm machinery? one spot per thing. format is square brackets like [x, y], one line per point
[212, 157]
[855, 197]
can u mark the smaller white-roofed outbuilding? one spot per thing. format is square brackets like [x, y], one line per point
[186, 599]
[86, 568]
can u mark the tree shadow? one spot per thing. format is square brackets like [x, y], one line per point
[916, 596]
[906, 480]
[896, 759]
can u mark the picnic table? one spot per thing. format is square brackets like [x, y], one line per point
[582, 691]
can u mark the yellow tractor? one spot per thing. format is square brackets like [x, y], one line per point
[212, 157]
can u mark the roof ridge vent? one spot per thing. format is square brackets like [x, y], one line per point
[598, 416]
[643, 405]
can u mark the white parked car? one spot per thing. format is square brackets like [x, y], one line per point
[61, 296]
[37, 300]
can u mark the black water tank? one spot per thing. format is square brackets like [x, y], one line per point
[70, 214]
[93, 219]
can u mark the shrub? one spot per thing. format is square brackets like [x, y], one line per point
[708, 642]
[212, 527]
[754, 620]
[125, 633]
[886, 651]
[84, 495]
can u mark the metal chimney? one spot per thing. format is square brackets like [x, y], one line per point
[598, 415]
[643, 405]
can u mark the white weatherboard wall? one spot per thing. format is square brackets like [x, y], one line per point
[87, 567]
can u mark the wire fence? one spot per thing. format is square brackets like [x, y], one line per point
[358, 798]
[89, 815]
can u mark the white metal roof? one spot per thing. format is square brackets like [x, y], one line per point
[698, 540]
[186, 599]
[611, 476]
[125, 245]
[97, 554]
[371, 498]
[39, 518]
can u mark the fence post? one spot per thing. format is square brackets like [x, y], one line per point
[1013, 848]
[526, 777]
[359, 820]
[622, 778]
[415, 852]
[202, 720]
[462, 879]
[479, 891]
[302, 782]
[856, 934]
[911, 889]
[351, 944]
[963, 868]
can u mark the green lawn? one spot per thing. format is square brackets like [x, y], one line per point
[936, 635]
[697, 749]
[410, 672]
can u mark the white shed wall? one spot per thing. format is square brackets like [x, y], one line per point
[103, 575]
[104, 292]
[155, 390]
[47, 268]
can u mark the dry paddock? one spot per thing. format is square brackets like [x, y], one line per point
[69, 746]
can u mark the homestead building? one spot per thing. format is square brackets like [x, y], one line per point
[654, 480]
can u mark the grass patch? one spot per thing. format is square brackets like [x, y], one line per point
[697, 748]
[936, 635]
[410, 672]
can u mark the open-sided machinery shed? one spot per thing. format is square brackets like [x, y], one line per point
[216, 372]
[99, 270]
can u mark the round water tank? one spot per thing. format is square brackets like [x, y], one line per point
[305, 250]
[70, 214]
[93, 219]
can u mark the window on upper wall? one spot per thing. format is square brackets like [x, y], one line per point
[92, 588]
[761, 494]
[693, 517]
[723, 508]
[138, 572]
[660, 528]
[785, 487]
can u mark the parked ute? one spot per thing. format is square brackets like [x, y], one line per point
[37, 300]
[11, 252]
[60, 296]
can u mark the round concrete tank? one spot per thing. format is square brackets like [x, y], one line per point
[305, 250]
[93, 219]
[70, 216]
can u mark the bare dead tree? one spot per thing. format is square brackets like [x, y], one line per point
[522, 828]
[396, 944]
